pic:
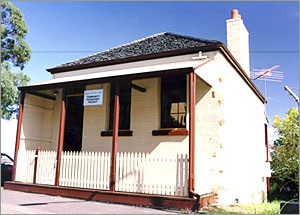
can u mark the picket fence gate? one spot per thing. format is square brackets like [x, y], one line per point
[165, 174]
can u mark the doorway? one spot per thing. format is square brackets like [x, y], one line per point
[74, 123]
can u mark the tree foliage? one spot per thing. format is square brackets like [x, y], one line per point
[14, 50]
[9, 91]
[13, 32]
[285, 155]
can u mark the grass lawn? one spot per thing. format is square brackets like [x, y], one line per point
[261, 208]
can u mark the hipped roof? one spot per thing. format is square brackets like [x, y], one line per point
[150, 47]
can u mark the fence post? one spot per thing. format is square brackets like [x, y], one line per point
[35, 163]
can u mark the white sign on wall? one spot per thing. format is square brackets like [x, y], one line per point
[93, 97]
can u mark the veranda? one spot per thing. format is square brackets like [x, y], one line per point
[135, 172]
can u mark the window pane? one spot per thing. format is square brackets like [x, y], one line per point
[174, 108]
[182, 107]
[173, 101]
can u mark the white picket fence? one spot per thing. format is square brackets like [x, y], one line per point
[85, 169]
[25, 166]
[143, 173]
[165, 174]
[46, 167]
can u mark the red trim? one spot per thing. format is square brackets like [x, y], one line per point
[268, 184]
[61, 135]
[170, 132]
[115, 139]
[192, 97]
[18, 135]
[267, 155]
[149, 200]
[266, 143]
[228, 55]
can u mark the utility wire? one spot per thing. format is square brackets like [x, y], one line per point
[93, 51]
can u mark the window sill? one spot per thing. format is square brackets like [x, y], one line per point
[120, 133]
[170, 132]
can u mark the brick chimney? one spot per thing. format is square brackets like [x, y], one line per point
[238, 40]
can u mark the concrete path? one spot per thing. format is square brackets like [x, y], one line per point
[16, 202]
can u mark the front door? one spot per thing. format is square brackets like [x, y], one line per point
[74, 123]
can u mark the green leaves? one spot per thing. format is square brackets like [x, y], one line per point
[13, 31]
[285, 152]
[14, 50]
[9, 91]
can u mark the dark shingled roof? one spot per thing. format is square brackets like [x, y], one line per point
[154, 44]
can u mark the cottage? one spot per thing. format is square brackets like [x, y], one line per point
[149, 122]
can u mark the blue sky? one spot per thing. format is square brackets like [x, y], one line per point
[60, 32]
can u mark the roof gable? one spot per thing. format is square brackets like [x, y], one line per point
[152, 45]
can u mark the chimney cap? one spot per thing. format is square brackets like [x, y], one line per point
[235, 14]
